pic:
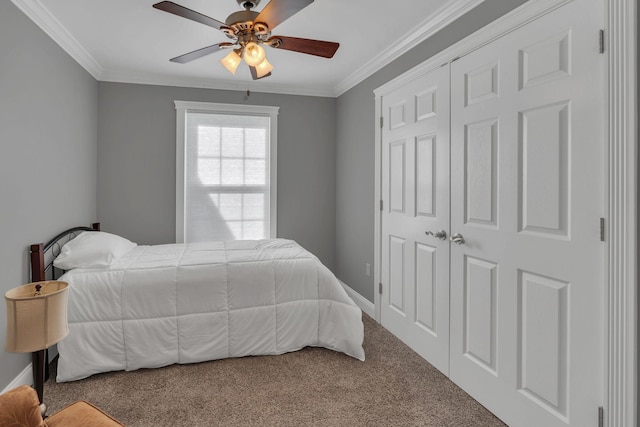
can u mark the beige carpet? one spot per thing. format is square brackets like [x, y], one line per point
[314, 386]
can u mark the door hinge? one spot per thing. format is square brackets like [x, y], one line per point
[380, 288]
[381, 204]
[601, 417]
[381, 121]
[601, 36]
[602, 229]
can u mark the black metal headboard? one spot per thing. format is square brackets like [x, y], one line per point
[42, 255]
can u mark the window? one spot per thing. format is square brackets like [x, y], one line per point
[225, 172]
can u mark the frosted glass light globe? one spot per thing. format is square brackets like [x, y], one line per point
[263, 68]
[231, 61]
[254, 54]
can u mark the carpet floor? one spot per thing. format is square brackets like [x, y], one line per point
[310, 387]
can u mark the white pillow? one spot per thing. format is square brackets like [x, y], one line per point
[92, 249]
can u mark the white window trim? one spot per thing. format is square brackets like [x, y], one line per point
[182, 107]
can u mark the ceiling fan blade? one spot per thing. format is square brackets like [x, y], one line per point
[187, 57]
[176, 9]
[278, 11]
[254, 73]
[308, 46]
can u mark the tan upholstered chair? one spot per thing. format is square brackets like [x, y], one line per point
[20, 408]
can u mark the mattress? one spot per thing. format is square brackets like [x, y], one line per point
[187, 303]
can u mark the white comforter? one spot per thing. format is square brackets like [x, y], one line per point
[187, 303]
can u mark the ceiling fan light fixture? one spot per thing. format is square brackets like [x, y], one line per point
[231, 61]
[263, 68]
[248, 30]
[254, 54]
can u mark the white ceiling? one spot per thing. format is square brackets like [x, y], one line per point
[129, 41]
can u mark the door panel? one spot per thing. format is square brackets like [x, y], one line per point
[397, 176]
[481, 83]
[415, 191]
[480, 312]
[396, 273]
[543, 333]
[527, 194]
[544, 173]
[426, 264]
[425, 180]
[481, 173]
[545, 61]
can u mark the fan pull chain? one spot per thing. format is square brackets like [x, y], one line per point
[248, 93]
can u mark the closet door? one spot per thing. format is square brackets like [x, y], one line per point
[415, 215]
[527, 195]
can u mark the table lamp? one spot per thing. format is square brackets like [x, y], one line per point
[36, 319]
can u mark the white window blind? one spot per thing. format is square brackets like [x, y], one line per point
[228, 173]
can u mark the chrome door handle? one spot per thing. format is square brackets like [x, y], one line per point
[457, 239]
[441, 234]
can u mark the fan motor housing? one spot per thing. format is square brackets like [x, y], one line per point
[240, 17]
[248, 4]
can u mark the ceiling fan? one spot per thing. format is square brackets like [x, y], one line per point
[249, 31]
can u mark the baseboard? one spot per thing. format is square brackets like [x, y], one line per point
[24, 378]
[365, 305]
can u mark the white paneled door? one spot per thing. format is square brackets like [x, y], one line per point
[415, 215]
[504, 151]
[527, 195]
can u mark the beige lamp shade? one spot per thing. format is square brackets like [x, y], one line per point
[36, 320]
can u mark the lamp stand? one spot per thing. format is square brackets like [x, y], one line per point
[38, 363]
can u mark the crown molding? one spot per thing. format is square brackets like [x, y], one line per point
[434, 23]
[122, 76]
[41, 16]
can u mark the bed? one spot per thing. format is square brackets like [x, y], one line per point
[152, 306]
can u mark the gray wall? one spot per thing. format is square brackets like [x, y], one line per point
[137, 166]
[355, 139]
[48, 143]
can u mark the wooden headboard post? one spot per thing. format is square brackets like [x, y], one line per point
[37, 262]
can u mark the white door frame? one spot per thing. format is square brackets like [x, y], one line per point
[621, 231]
